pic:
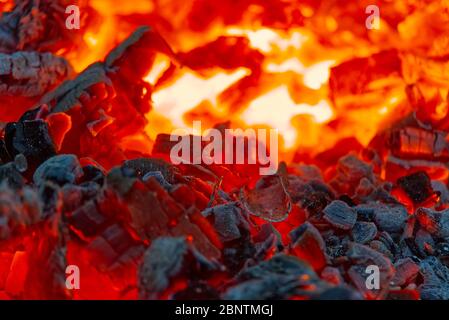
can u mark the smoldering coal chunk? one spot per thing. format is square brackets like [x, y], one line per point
[350, 170]
[92, 173]
[424, 243]
[159, 178]
[361, 258]
[145, 166]
[4, 155]
[442, 189]
[417, 186]
[269, 198]
[381, 247]
[340, 215]
[364, 232]
[313, 195]
[274, 287]
[308, 244]
[228, 220]
[30, 138]
[87, 219]
[121, 179]
[435, 222]
[165, 259]
[238, 252]
[278, 278]
[435, 280]
[18, 208]
[11, 173]
[280, 264]
[60, 169]
[114, 248]
[332, 275]
[390, 218]
[31, 74]
[406, 272]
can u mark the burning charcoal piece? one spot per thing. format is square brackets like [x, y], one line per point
[340, 215]
[390, 218]
[442, 251]
[335, 247]
[417, 186]
[313, 196]
[237, 252]
[381, 247]
[435, 280]
[12, 176]
[159, 178]
[332, 275]
[350, 170]
[278, 278]
[269, 199]
[60, 169]
[121, 179]
[18, 208]
[228, 221]
[25, 77]
[436, 222]
[361, 257]
[424, 243]
[406, 272]
[308, 245]
[32, 139]
[93, 173]
[280, 264]
[4, 155]
[364, 232]
[443, 191]
[144, 166]
[115, 247]
[87, 219]
[165, 260]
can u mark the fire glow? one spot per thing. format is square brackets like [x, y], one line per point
[87, 181]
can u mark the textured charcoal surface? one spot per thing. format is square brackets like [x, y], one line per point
[228, 220]
[364, 232]
[31, 74]
[165, 259]
[390, 218]
[340, 215]
[417, 186]
[436, 279]
[30, 138]
[435, 222]
[60, 169]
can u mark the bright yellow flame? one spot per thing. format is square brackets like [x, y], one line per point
[266, 40]
[91, 40]
[292, 64]
[189, 91]
[276, 108]
[160, 65]
[318, 74]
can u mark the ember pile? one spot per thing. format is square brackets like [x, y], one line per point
[85, 171]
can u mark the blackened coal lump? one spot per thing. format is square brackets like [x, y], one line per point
[417, 186]
[340, 215]
[30, 138]
[60, 169]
